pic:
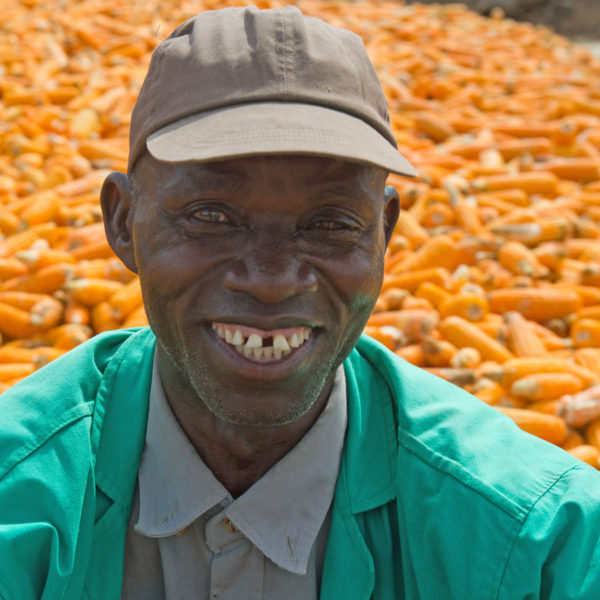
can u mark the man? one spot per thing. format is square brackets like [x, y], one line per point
[250, 445]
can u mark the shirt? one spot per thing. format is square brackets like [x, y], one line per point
[188, 538]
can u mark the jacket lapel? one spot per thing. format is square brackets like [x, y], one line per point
[366, 480]
[118, 435]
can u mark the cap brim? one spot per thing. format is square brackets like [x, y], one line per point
[275, 128]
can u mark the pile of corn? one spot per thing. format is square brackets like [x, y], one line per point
[492, 276]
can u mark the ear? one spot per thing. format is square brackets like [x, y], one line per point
[116, 199]
[391, 211]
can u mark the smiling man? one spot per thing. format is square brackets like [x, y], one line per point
[251, 444]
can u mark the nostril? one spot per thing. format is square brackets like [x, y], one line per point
[271, 283]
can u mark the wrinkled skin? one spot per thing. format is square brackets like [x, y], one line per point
[267, 242]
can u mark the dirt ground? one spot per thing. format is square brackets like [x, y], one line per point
[577, 19]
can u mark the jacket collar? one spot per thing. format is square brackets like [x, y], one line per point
[369, 460]
[120, 416]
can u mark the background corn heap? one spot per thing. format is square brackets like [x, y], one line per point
[493, 276]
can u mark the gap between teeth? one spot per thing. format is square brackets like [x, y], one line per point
[252, 347]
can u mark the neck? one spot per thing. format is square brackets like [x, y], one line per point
[237, 454]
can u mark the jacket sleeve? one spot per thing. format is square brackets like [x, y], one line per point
[556, 554]
[41, 511]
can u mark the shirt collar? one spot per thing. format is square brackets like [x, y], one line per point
[281, 514]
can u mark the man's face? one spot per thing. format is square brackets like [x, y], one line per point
[258, 274]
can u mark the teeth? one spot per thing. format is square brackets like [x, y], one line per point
[254, 341]
[280, 343]
[252, 347]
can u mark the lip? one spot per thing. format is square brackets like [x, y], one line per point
[266, 371]
[283, 322]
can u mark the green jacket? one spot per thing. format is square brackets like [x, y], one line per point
[438, 497]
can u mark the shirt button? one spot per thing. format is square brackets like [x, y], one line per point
[229, 526]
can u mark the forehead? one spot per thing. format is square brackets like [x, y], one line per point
[307, 171]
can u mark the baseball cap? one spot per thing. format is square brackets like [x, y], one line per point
[241, 81]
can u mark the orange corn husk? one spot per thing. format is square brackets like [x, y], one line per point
[391, 337]
[46, 313]
[461, 333]
[536, 304]
[411, 281]
[104, 317]
[38, 259]
[494, 326]
[435, 294]
[472, 307]
[137, 318]
[433, 126]
[410, 228]
[415, 324]
[66, 336]
[532, 183]
[574, 438]
[92, 291]
[517, 368]
[589, 358]
[438, 353]
[413, 353]
[550, 407]
[413, 302]
[18, 241]
[466, 357]
[10, 371]
[12, 267]
[23, 300]
[520, 260]
[587, 377]
[587, 453]
[522, 338]
[12, 354]
[394, 298]
[532, 233]
[92, 250]
[127, 299]
[42, 209]
[45, 281]
[546, 386]
[490, 394]
[9, 222]
[438, 214]
[438, 251]
[466, 211]
[15, 322]
[581, 408]
[592, 433]
[548, 427]
[585, 333]
[576, 169]
[459, 377]
[76, 312]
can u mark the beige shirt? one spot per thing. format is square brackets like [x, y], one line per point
[188, 538]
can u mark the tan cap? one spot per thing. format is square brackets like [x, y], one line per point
[241, 81]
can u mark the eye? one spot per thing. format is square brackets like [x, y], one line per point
[209, 215]
[331, 225]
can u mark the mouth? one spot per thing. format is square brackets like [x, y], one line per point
[260, 346]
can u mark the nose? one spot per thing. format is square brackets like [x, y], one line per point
[270, 270]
